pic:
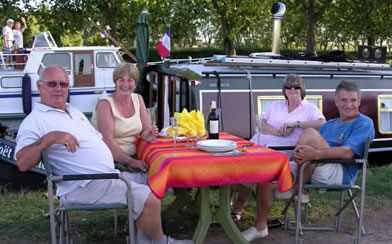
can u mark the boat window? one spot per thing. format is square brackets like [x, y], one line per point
[11, 82]
[106, 60]
[61, 59]
[83, 63]
[385, 114]
[264, 102]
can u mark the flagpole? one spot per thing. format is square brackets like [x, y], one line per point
[131, 55]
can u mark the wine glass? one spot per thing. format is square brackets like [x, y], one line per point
[152, 115]
[258, 120]
[174, 131]
[189, 139]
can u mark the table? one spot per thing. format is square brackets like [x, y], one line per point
[191, 167]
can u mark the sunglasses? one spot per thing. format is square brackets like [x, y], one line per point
[53, 84]
[296, 87]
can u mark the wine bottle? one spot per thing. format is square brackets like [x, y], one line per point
[213, 122]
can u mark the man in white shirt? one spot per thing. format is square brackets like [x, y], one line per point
[75, 147]
[8, 38]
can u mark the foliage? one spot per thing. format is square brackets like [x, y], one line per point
[223, 24]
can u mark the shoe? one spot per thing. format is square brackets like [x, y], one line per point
[283, 195]
[174, 241]
[252, 233]
[305, 198]
[287, 195]
[236, 216]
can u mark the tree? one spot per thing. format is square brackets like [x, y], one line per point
[235, 17]
[314, 10]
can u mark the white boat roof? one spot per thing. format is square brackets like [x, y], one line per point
[44, 41]
[84, 48]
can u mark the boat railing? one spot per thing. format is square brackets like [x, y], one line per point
[11, 62]
[181, 61]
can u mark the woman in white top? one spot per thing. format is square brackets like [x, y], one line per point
[122, 116]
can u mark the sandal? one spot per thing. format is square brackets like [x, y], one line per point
[236, 216]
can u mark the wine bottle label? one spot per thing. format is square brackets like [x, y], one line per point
[214, 126]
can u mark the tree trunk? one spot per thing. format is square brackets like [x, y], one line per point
[370, 41]
[311, 18]
[228, 42]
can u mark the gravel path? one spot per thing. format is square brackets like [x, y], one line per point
[378, 225]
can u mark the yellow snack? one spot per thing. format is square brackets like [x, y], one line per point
[201, 133]
[190, 123]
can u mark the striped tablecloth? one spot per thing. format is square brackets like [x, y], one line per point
[191, 167]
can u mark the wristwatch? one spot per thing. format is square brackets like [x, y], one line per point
[298, 125]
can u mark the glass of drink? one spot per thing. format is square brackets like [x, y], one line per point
[174, 131]
[258, 120]
[152, 115]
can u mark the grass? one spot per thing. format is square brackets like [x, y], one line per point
[24, 214]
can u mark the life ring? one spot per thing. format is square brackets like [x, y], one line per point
[26, 94]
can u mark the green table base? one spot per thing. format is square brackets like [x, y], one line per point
[222, 216]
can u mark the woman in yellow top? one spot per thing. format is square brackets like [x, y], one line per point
[122, 116]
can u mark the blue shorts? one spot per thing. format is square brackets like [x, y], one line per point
[7, 50]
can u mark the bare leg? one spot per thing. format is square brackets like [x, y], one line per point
[149, 222]
[312, 138]
[243, 195]
[265, 197]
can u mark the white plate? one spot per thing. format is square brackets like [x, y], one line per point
[164, 134]
[216, 145]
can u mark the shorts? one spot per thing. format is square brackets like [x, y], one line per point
[112, 192]
[328, 174]
[7, 50]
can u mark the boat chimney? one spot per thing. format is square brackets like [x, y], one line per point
[278, 9]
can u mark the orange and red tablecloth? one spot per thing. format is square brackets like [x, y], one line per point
[191, 167]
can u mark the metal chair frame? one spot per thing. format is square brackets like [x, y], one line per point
[59, 216]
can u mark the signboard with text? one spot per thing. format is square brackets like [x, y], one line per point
[7, 151]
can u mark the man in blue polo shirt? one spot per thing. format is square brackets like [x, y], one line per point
[343, 137]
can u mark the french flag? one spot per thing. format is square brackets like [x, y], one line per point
[163, 46]
[103, 35]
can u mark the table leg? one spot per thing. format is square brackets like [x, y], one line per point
[205, 218]
[224, 216]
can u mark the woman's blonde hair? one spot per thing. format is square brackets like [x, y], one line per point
[294, 80]
[125, 68]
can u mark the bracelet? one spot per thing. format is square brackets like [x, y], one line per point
[298, 125]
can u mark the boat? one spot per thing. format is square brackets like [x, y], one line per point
[244, 86]
[90, 72]
[89, 69]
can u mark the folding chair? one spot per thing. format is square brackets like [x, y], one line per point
[300, 227]
[59, 216]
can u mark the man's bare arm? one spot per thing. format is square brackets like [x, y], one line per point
[30, 155]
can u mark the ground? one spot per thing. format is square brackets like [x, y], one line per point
[378, 225]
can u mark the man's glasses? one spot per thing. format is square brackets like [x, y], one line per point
[296, 87]
[53, 84]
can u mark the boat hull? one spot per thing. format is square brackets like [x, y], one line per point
[9, 172]
[11, 176]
